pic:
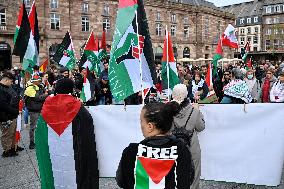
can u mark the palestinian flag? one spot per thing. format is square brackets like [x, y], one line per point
[43, 66]
[152, 173]
[88, 89]
[65, 145]
[245, 51]
[229, 38]
[34, 27]
[65, 53]
[90, 58]
[20, 16]
[217, 56]
[131, 58]
[102, 52]
[19, 123]
[208, 78]
[249, 63]
[169, 64]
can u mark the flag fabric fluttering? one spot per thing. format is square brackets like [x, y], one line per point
[20, 16]
[168, 64]
[217, 56]
[102, 52]
[88, 89]
[43, 66]
[90, 56]
[65, 53]
[229, 38]
[131, 58]
[245, 51]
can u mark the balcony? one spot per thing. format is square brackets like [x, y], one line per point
[3, 28]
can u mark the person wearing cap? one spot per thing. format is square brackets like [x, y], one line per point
[9, 111]
[277, 91]
[35, 96]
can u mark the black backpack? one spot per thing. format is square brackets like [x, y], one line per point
[183, 134]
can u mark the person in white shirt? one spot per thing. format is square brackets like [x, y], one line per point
[277, 91]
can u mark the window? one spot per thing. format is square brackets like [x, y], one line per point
[275, 31]
[158, 17]
[249, 30]
[254, 49]
[268, 21]
[268, 31]
[3, 17]
[85, 24]
[276, 20]
[54, 4]
[54, 21]
[173, 30]
[255, 19]
[106, 24]
[242, 40]
[106, 10]
[2, 1]
[268, 9]
[248, 20]
[277, 8]
[276, 44]
[186, 32]
[185, 20]
[173, 18]
[242, 30]
[27, 3]
[85, 7]
[159, 29]
[242, 21]
[255, 29]
[255, 40]
[267, 44]
[249, 39]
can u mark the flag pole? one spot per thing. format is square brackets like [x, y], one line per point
[168, 70]
[140, 62]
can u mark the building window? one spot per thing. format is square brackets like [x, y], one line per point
[276, 44]
[277, 8]
[3, 17]
[268, 21]
[2, 1]
[158, 16]
[249, 30]
[85, 24]
[54, 21]
[248, 20]
[242, 21]
[255, 29]
[106, 24]
[27, 3]
[268, 9]
[85, 7]
[267, 44]
[255, 40]
[276, 20]
[276, 31]
[173, 30]
[242, 30]
[186, 32]
[173, 18]
[242, 40]
[249, 39]
[54, 4]
[159, 29]
[254, 49]
[255, 19]
[268, 31]
[185, 20]
[106, 10]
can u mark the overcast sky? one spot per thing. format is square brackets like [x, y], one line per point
[219, 3]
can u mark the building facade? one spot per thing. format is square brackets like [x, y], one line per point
[195, 26]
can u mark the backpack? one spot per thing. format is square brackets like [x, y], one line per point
[182, 133]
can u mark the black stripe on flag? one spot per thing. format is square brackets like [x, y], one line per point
[63, 46]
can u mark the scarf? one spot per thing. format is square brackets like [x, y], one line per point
[265, 90]
[238, 89]
[196, 86]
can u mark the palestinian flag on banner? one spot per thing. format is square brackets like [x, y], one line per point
[152, 173]
[90, 58]
[25, 45]
[65, 145]
[229, 38]
[217, 56]
[43, 66]
[102, 52]
[131, 53]
[65, 53]
[88, 89]
[169, 60]
[245, 51]
[20, 16]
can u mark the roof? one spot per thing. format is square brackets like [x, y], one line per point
[274, 2]
[198, 3]
[252, 8]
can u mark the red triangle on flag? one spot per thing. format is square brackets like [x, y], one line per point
[20, 16]
[91, 43]
[32, 18]
[157, 169]
[208, 79]
[170, 51]
[126, 3]
[219, 49]
[103, 42]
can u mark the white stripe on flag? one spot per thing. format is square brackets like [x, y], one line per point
[160, 185]
[19, 123]
[87, 64]
[87, 90]
[64, 60]
[31, 49]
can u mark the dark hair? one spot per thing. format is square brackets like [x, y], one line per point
[8, 75]
[197, 73]
[161, 115]
[36, 67]
[64, 86]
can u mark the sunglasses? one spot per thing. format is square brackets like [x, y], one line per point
[226, 74]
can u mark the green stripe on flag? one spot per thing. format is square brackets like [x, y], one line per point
[43, 156]
[82, 95]
[142, 178]
[173, 77]
[215, 63]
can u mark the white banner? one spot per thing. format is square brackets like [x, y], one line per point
[238, 145]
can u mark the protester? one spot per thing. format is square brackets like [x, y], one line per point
[219, 84]
[9, 111]
[253, 85]
[237, 91]
[104, 96]
[193, 121]
[267, 84]
[197, 89]
[35, 96]
[64, 73]
[177, 170]
[277, 91]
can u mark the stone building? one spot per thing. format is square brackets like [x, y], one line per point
[195, 26]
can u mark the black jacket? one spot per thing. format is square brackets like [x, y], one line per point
[202, 96]
[9, 103]
[34, 104]
[181, 174]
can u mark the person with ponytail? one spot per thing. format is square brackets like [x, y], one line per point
[160, 160]
[191, 118]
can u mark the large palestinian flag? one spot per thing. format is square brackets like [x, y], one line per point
[131, 57]
[65, 145]
[90, 55]
[19, 22]
[229, 38]
[169, 65]
[65, 53]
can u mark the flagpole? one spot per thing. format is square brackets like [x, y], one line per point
[140, 62]
[168, 70]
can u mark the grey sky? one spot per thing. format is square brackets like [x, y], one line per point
[219, 3]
